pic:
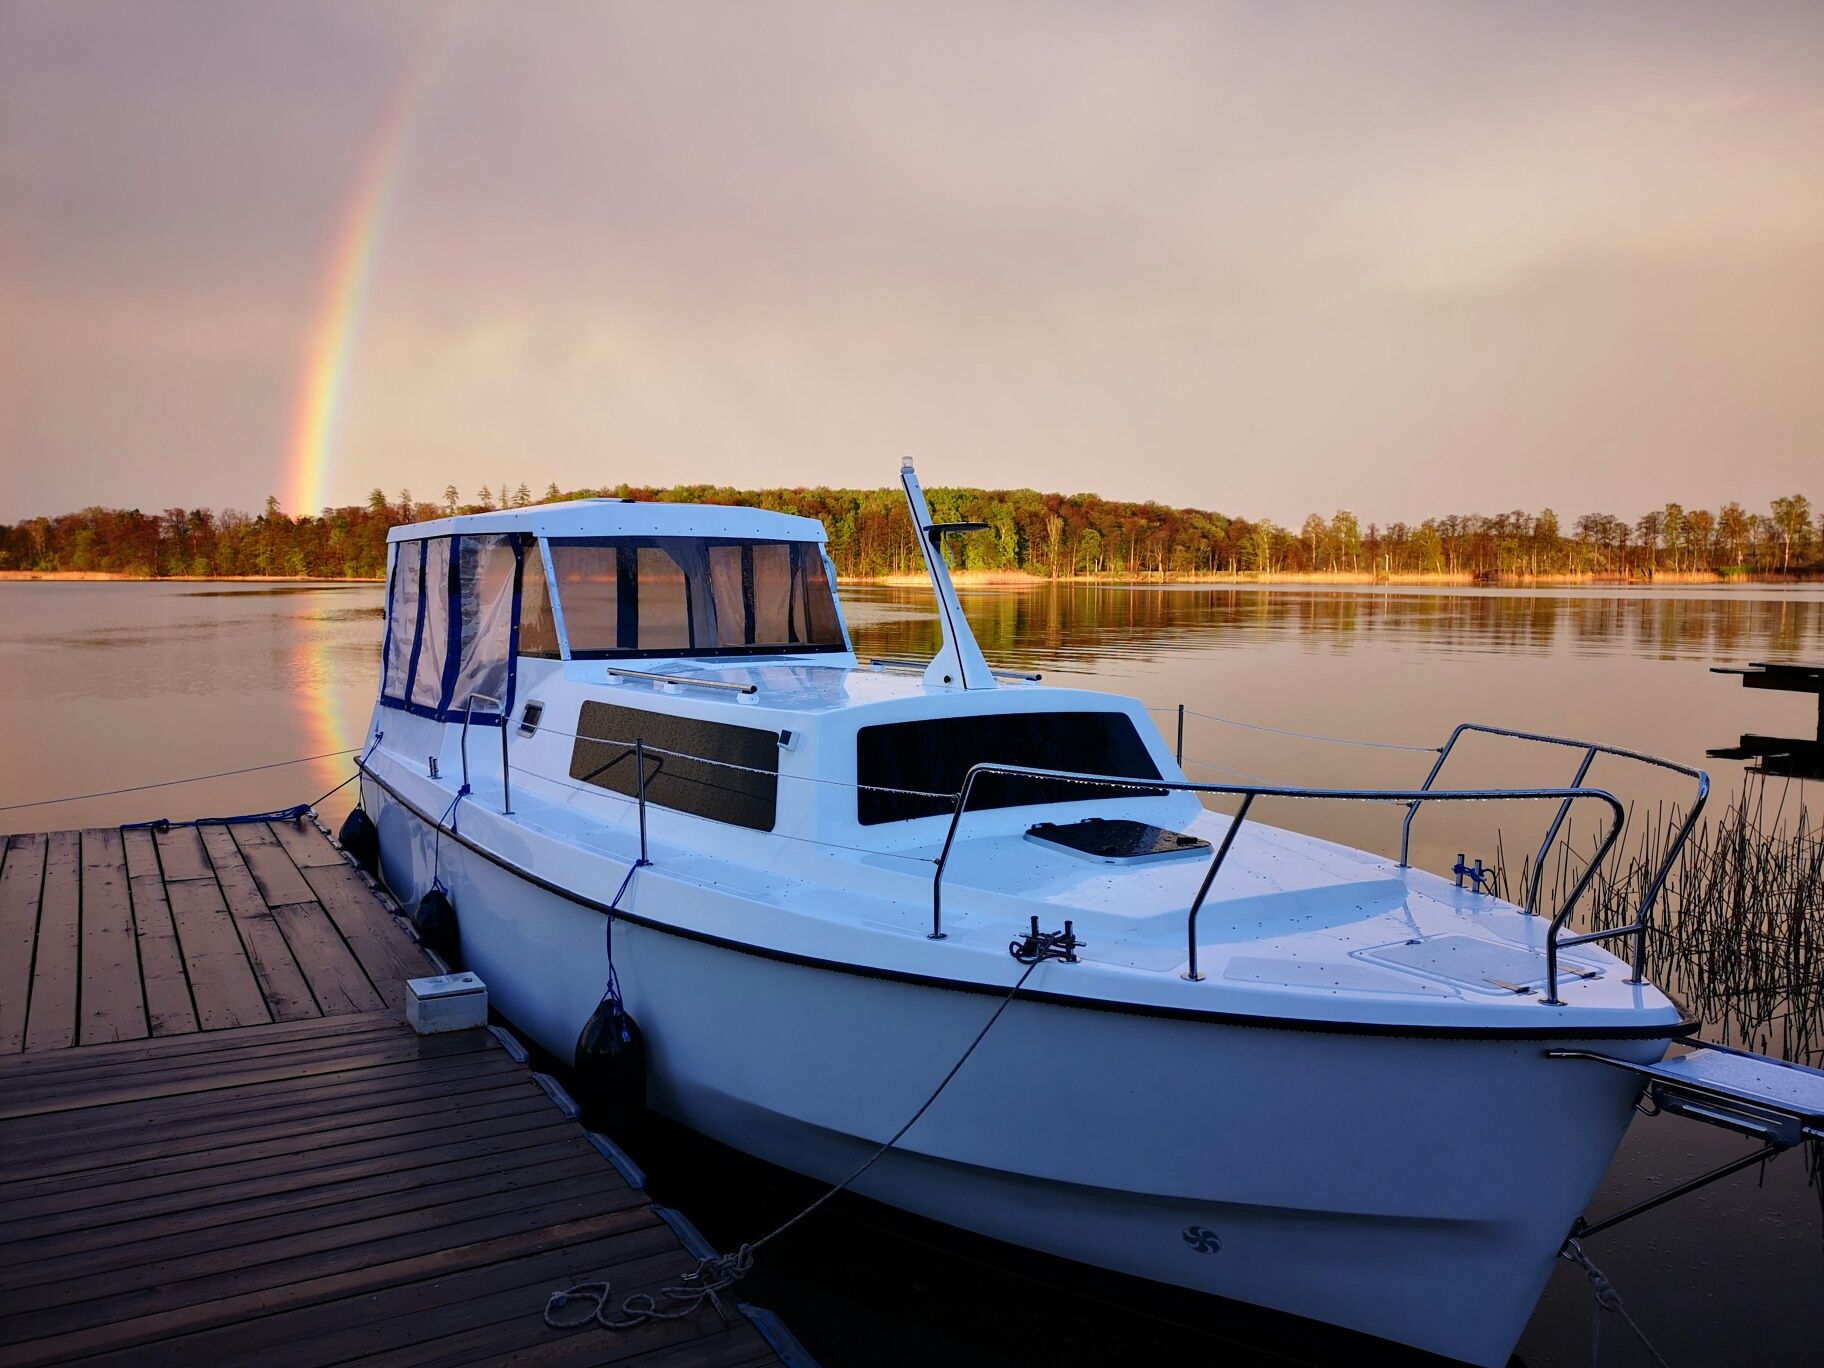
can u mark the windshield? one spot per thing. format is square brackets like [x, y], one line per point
[667, 596]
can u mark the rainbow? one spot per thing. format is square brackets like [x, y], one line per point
[330, 344]
[331, 714]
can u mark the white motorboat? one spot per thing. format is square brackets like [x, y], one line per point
[1246, 1061]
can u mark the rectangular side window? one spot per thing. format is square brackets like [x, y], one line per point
[434, 635]
[665, 616]
[537, 624]
[675, 778]
[655, 596]
[402, 620]
[818, 619]
[935, 756]
[589, 585]
[486, 568]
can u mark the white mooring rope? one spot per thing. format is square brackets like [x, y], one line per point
[714, 1275]
[1605, 1298]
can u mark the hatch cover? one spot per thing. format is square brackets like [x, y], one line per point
[1483, 966]
[1116, 840]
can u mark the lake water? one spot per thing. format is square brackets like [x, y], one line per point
[116, 686]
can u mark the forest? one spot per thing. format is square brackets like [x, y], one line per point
[1053, 536]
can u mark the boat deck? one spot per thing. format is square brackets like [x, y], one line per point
[219, 1140]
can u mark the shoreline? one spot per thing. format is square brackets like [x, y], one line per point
[120, 577]
[1019, 579]
[1015, 579]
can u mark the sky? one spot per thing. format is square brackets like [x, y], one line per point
[1269, 258]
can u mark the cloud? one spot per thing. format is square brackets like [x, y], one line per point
[1414, 255]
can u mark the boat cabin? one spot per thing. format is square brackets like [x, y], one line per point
[712, 638]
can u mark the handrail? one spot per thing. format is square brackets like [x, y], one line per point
[1249, 792]
[724, 684]
[888, 663]
[1643, 919]
[500, 710]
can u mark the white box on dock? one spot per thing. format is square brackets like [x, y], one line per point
[447, 1002]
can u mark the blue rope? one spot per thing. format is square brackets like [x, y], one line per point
[290, 814]
[612, 993]
[437, 844]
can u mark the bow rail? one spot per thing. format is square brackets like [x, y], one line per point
[1591, 749]
[1249, 792]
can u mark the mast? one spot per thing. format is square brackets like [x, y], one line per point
[959, 661]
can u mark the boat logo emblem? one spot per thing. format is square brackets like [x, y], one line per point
[1201, 1240]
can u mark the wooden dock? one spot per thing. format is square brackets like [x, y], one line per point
[219, 1142]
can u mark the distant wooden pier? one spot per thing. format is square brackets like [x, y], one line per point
[219, 1142]
[1791, 756]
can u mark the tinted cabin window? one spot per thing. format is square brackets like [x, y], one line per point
[658, 596]
[664, 601]
[935, 755]
[588, 587]
[605, 756]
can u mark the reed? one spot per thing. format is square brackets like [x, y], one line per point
[1738, 934]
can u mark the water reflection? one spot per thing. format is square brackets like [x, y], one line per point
[1085, 624]
[126, 684]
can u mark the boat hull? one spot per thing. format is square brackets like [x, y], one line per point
[1412, 1187]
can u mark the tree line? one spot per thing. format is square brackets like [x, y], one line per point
[1049, 535]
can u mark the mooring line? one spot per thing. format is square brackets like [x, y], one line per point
[1605, 1298]
[1311, 736]
[714, 1275]
[172, 783]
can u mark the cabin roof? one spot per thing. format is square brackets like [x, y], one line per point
[622, 518]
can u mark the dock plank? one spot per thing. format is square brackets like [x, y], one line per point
[50, 1018]
[390, 1194]
[305, 842]
[221, 980]
[181, 854]
[267, 1151]
[143, 1083]
[112, 998]
[95, 1150]
[252, 1182]
[275, 967]
[73, 1331]
[386, 952]
[336, 977]
[350, 1326]
[21, 885]
[278, 878]
[170, 1010]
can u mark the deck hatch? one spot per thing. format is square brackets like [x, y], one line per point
[708, 769]
[1117, 840]
[1482, 966]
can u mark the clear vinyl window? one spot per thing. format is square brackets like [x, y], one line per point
[663, 596]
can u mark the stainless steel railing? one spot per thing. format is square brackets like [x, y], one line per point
[884, 663]
[500, 711]
[654, 677]
[1249, 792]
[1591, 749]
